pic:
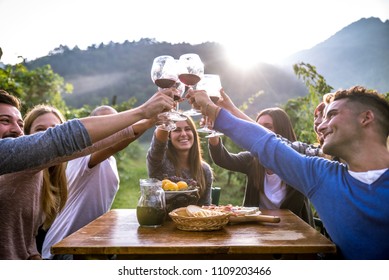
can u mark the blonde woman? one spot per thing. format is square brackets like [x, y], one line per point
[54, 190]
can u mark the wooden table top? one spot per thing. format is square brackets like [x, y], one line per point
[118, 233]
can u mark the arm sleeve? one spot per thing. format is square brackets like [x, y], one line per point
[40, 149]
[303, 172]
[302, 148]
[155, 156]
[225, 159]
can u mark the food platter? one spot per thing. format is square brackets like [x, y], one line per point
[195, 218]
[241, 214]
[234, 210]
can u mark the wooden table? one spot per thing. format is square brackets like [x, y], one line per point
[118, 233]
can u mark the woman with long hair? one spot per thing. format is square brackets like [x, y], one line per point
[178, 153]
[54, 191]
[264, 189]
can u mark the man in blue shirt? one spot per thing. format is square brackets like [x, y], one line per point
[352, 199]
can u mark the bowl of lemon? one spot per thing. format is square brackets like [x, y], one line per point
[179, 192]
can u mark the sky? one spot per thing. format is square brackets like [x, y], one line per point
[251, 30]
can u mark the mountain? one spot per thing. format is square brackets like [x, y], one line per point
[122, 71]
[356, 55]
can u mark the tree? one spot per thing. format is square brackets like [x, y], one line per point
[301, 109]
[38, 86]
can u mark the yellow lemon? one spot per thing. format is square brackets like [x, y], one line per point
[164, 182]
[182, 185]
[171, 186]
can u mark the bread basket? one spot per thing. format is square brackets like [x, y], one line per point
[185, 222]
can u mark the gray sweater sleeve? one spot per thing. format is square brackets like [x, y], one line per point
[38, 149]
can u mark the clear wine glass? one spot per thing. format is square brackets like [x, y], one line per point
[164, 74]
[212, 85]
[191, 71]
[164, 71]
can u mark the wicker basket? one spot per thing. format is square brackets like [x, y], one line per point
[187, 223]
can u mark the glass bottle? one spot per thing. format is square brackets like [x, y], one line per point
[151, 208]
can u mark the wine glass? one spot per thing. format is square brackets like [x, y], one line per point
[191, 71]
[212, 85]
[163, 71]
[164, 74]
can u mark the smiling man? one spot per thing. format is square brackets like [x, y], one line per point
[26, 156]
[351, 198]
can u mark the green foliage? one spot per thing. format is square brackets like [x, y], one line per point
[39, 86]
[86, 109]
[132, 167]
[301, 109]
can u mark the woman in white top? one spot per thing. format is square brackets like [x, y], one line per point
[264, 189]
[93, 182]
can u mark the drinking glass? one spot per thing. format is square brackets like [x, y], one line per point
[164, 71]
[191, 71]
[164, 74]
[212, 85]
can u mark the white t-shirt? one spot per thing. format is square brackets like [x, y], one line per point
[368, 177]
[275, 192]
[91, 192]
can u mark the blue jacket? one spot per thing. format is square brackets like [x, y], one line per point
[355, 214]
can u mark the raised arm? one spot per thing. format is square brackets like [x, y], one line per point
[39, 149]
[138, 129]
[100, 127]
[226, 103]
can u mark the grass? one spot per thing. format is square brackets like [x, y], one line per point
[132, 167]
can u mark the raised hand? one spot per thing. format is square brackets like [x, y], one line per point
[198, 99]
[161, 101]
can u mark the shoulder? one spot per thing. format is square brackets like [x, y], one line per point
[207, 169]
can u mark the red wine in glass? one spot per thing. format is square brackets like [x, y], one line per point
[164, 83]
[164, 74]
[212, 85]
[214, 99]
[189, 79]
[191, 70]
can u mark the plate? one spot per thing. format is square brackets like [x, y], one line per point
[178, 192]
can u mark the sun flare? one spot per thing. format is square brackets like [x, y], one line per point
[246, 57]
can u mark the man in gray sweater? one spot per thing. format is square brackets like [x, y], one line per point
[24, 157]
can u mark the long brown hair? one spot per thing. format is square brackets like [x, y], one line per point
[282, 126]
[195, 155]
[54, 190]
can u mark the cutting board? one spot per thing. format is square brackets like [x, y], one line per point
[257, 217]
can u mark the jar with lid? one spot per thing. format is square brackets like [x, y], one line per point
[151, 208]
